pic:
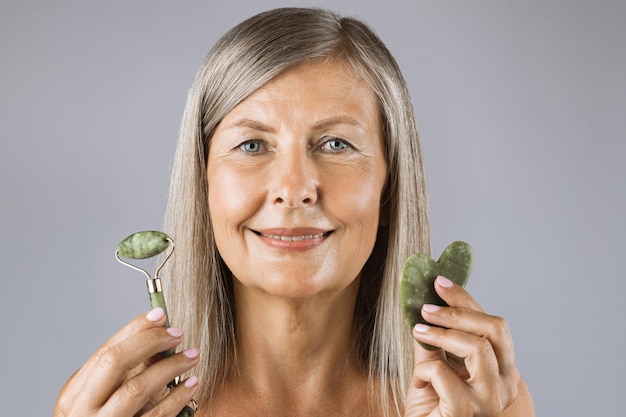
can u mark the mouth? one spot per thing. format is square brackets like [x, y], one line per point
[293, 240]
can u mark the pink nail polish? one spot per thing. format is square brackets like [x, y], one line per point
[155, 314]
[431, 308]
[421, 328]
[191, 353]
[175, 331]
[192, 381]
[444, 282]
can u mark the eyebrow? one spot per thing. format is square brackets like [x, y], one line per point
[252, 124]
[338, 120]
[321, 125]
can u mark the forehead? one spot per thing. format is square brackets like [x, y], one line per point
[323, 86]
[332, 73]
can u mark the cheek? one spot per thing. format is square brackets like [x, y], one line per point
[360, 196]
[356, 204]
[230, 204]
[230, 198]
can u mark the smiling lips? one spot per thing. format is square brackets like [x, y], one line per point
[293, 240]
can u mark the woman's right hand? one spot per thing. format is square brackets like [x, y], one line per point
[126, 376]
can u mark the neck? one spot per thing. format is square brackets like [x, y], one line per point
[295, 352]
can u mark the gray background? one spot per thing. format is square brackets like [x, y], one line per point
[521, 107]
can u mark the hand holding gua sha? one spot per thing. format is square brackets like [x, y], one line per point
[142, 245]
[417, 286]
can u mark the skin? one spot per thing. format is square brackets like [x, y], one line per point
[303, 157]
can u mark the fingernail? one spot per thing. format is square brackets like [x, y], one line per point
[431, 308]
[421, 328]
[175, 331]
[192, 381]
[191, 353]
[444, 282]
[155, 314]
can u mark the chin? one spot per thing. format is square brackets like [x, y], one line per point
[293, 286]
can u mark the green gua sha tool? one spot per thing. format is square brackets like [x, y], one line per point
[417, 286]
[142, 245]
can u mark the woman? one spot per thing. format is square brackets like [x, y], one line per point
[297, 194]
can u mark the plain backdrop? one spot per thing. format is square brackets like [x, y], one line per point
[521, 107]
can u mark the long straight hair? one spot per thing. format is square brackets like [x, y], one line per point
[198, 282]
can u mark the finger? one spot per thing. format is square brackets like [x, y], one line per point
[115, 363]
[75, 386]
[454, 395]
[454, 295]
[490, 367]
[147, 387]
[477, 352]
[483, 391]
[492, 328]
[420, 354]
[180, 396]
[176, 400]
[153, 318]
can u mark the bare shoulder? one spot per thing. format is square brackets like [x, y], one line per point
[523, 404]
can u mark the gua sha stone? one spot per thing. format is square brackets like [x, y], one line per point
[417, 286]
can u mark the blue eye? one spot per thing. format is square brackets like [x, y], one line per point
[335, 144]
[251, 146]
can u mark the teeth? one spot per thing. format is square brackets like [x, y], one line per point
[294, 238]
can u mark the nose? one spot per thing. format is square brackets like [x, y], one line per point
[294, 181]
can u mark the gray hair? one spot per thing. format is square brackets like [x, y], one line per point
[199, 284]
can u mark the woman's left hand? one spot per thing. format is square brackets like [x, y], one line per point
[477, 376]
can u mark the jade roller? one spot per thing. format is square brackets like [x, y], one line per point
[142, 245]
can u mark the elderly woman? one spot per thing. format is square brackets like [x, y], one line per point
[296, 196]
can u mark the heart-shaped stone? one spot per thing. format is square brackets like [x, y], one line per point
[417, 286]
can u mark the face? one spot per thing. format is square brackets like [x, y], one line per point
[295, 175]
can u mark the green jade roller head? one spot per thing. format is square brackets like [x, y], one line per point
[142, 245]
